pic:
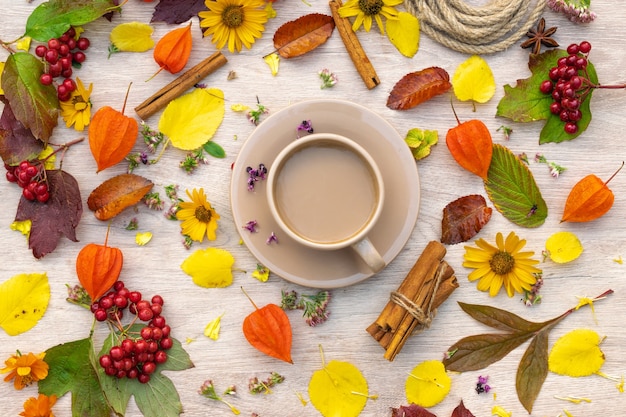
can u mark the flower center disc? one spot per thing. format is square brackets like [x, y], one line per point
[233, 16]
[202, 214]
[371, 7]
[502, 263]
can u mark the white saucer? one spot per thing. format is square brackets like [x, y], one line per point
[300, 264]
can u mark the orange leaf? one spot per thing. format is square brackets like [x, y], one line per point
[117, 193]
[98, 267]
[418, 87]
[172, 51]
[589, 199]
[111, 136]
[268, 330]
[302, 35]
[471, 146]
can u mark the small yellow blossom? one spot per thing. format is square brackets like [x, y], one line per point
[25, 369]
[142, 238]
[269, 9]
[261, 273]
[198, 216]
[273, 60]
[619, 260]
[77, 110]
[620, 385]
[239, 107]
[189, 340]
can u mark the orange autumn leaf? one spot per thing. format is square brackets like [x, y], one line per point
[111, 136]
[172, 51]
[589, 199]
[98, 267]
[471, 146]
[418, 87]
[302, 35]
[268, 330]
[115, 194]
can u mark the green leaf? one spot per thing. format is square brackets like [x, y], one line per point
[420, 141]
[526, 103]
[513, 191]
[157, 398]
[54, 17]
[36, 106]
[214, 149]
[71, 369]
[533, 370]
[499, 319]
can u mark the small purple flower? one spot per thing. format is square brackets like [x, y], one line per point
[481, 385]
[250, 226]
[305, 126]
[255, 175]
[272, 238]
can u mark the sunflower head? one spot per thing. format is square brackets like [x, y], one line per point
[502, 265]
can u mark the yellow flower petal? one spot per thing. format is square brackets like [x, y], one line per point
[272, 60]
[210, 267]
[142, 238]
[212, 330]
[24, 43]
[563, 247]
[261, 273]
[499, 411]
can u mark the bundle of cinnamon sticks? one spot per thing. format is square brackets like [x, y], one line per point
[412, 307]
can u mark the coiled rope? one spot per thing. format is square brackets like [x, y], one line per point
[475, 30]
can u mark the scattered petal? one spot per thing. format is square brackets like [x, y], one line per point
[500, 411]
[142, 238]
[261, 273]
[212, 330]
[273, 60]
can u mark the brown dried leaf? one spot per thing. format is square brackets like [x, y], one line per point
[302, 35]
[461, 411]
[115, 194]
[418, 87]
[463, 218]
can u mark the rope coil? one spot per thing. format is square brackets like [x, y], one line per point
[476, 30]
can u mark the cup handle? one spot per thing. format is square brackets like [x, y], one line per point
[369, 254]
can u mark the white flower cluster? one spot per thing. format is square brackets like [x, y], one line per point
[577, 11]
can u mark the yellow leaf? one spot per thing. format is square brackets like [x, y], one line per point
[338, 390]
[428, 384]
[404, 33]
[47, 155]
[24, 43]
[22, 226]
[210, 267]
[272, 60]
[420, 141]
[576, 354]
[192, 119]
[473, 80]
[132, 37]
[142, 238]
[23, 301]
[563, 247]
[212, 330]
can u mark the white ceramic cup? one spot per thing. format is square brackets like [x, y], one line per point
[326, 192]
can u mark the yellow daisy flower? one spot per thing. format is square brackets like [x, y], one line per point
[365, 10]
[77, 110]
[198, 216]
[502, 264]
[236, 22]
[25, 369]
[39, 407]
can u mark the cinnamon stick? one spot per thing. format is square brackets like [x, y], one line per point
[355, 50]
[181, 84]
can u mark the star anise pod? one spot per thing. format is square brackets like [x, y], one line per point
[540, 36]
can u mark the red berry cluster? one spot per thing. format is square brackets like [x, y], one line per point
[31, 177]
[60, 55]
[134, 357]
[567, 85]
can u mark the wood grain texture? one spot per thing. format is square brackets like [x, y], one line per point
[155, 268]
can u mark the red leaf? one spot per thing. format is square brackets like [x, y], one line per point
[463, 218]
[418, 87]
[412, 410]
[302, 35]
[17, 143]
[176, 11]
[461, 411]
[59, 216]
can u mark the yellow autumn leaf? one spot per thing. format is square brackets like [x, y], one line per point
[23, 301]
[338, 390]
[563, 247]
[212, 330]
[132, 37]
[192, 119]
[272, 60]
[576, 354]
[473, 80]
[428, 384]
[404, 33]
[210, 267]
[24, 43]
[420, 141]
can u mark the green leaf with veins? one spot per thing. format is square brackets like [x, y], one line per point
[71, 369]
[157, 398]
[512, 188]
[35, 105]
[524, 102]
[54, 17]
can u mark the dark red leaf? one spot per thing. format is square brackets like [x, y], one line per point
[302, 35]
[463, 218]
[59, 216]
[418, 87]
[177, 11]
[412, 410]
[17, 143]
[461, 411]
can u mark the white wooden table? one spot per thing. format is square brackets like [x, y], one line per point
[155, 268]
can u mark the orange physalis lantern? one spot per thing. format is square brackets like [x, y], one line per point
[98, 267]
[172, 51]
[471, 146]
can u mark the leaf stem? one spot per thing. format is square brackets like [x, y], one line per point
[615, 173]
[244, 291]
